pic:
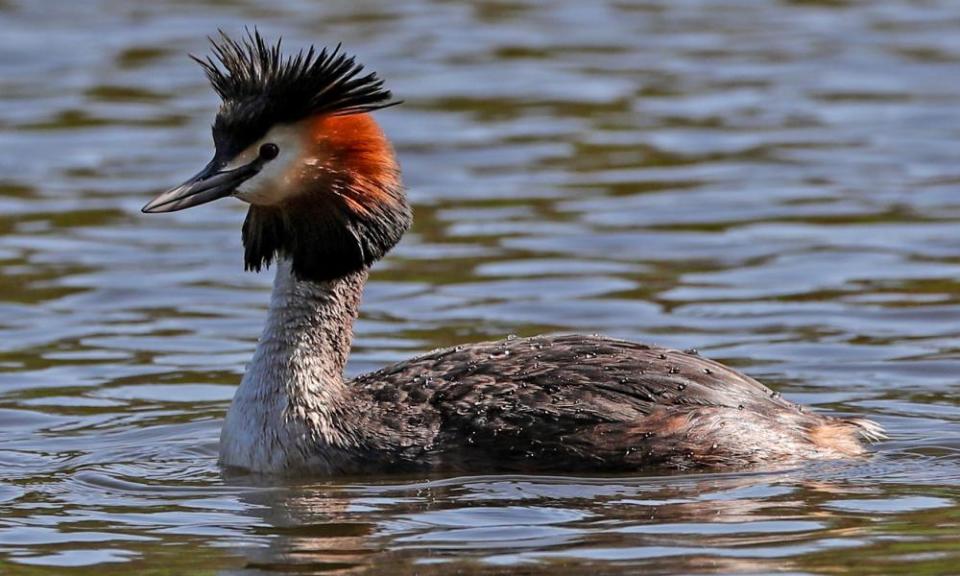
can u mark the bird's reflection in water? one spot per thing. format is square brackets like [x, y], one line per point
[497, 524]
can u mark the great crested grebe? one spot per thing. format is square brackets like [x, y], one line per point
[295, 140]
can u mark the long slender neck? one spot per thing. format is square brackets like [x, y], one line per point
[291, 406]
[309, 329]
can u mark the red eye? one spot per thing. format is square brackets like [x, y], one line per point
[269, 151]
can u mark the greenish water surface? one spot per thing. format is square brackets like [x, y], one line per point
[774, 183]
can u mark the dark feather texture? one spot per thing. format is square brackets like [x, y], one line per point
[321, 236]
[584, 403]
[260, 87]
[306, 83]
[342, 219]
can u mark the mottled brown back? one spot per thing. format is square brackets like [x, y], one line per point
[580, 403]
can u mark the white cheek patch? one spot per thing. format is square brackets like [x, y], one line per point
[277, 177]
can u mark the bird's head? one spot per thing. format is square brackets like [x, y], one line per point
[295, 139]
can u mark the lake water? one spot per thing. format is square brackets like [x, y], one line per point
[774, 183]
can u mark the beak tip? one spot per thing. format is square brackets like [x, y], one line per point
[149, 207]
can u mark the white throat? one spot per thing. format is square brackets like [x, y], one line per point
[289, 409]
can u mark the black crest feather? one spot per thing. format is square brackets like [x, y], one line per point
[300, 84]
[356, 218]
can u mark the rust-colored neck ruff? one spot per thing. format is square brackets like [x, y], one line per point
[355, 145]
[350, 209]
